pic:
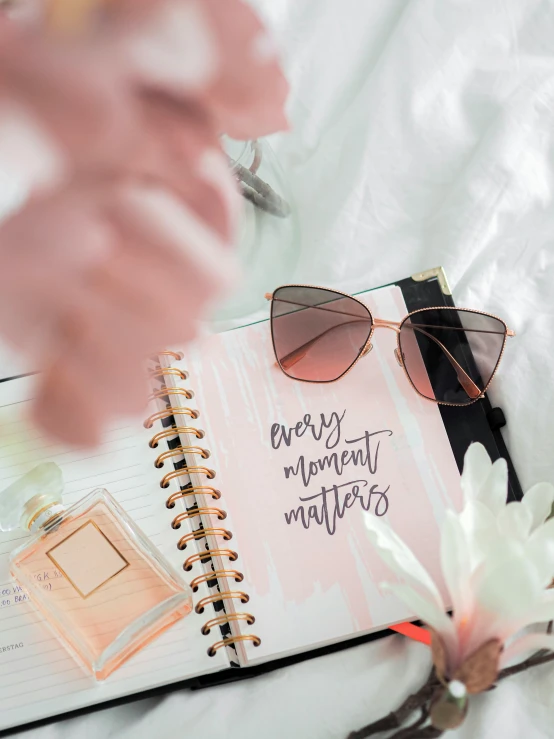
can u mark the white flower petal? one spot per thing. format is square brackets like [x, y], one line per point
[527, 643]
[543, 559]
[477, 465]
[503, 628]
[537, 613]
[400, 558]
[508, 589]
[515, 520]
[494, 488]
[479, 525]
[539, 500]
[544, 532]
[424, 609]
[540, 552]
[456, 565]
[504, 596]
[479, 628]
[498, 549]
[485, 621]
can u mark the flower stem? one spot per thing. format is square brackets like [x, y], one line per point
[539, 658]
[406, 733]
[421, 698]
[395, 719]
[429, 732]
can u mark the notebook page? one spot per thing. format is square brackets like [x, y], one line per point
[296, 516]
[38, 677]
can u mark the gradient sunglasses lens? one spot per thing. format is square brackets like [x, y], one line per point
[451, 355]
[317, 334]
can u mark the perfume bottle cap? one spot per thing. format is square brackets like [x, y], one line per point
[32, 500]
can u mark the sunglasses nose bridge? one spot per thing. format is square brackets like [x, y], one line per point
[392, 325]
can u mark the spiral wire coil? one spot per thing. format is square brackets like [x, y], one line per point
[189, 492]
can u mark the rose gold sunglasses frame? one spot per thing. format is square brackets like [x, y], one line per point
[396, 326]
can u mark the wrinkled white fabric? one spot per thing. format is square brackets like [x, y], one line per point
[422, 134]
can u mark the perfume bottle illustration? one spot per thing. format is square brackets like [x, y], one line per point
[110, 592]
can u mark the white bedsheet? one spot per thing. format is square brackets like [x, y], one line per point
[423, 134]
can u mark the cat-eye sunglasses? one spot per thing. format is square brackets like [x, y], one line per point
[450, 355]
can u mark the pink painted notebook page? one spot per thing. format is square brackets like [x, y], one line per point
[298, 464]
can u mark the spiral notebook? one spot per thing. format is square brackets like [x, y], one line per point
[254, 487]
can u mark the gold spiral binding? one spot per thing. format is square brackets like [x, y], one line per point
[196, 510]
[176, 355]
[170, 502]
[179, 451]
[176, 523]
[248, 617]
[174, 431]
[214, 575]
[233, 640]
[165, 392]
[165, 371]
[182, 494]
[166, 479]
[207, 554]
[235, 594]
[225, 534]
[169, 411]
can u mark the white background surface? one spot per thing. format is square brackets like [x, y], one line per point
[423, 134]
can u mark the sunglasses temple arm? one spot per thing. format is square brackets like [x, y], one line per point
[464, 379]
[296, 355]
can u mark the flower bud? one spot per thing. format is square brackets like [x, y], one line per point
[449, 707]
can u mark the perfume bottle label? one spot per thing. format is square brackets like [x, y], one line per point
[87, 559]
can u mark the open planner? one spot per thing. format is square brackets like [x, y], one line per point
[255, 488]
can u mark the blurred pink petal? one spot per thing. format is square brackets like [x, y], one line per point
[145, 270]
[237, 73]
[168, 44]
[250, 92]
[123, 244]
[76, 94]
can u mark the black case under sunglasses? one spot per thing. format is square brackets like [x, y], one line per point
[464, 424]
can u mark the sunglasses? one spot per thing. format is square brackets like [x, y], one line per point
[449, 355]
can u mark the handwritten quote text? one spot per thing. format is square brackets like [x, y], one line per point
[340, 455]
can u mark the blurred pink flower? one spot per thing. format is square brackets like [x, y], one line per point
[110, 117]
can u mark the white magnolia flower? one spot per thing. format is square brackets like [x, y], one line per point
[497, 561]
